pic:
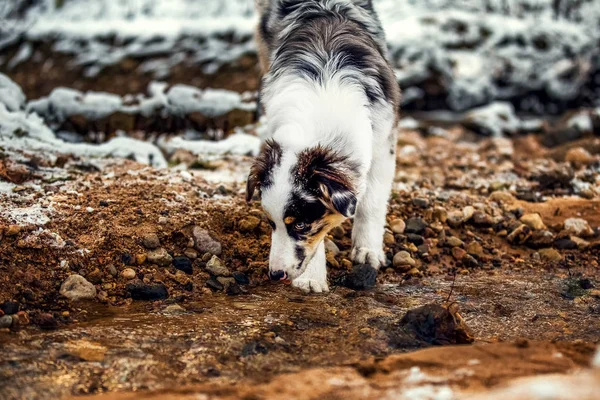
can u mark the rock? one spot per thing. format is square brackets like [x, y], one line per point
[13, 230]
[388, 239]
[550, 255]
[362, 277]
[151, 241]
[241, 278]
[541, 239]
[86, 351]
[10, 307]
[23, 318]
[160, 257]
[205, 243]
[578, 227]
[519, 235]
[415, 225]
[128, 274]
[420, 202]
[190, 253]
[474, 249]
[458, 253]
[5, 321]
[233, 290]
[331, 261]
[502, 197]
[565, 244]
[455, 219]
[183, 264]
[417, 240]
[440, 214]
[482, 219]
[76, 288]
[414, 272]
[579, 155]
[216, 267]
[174, 309]
[249, 223]
[453, 241]
[214, 284]
[581, 244]
[534, 221]
[470, 261]
[112, 270]
[398, 226]
[46, 321]
[467, 213]
[403, 260]
[95, 276]
[141, 291]
[331, 247]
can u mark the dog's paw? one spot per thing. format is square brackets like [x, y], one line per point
[372, 257]
[311, 285]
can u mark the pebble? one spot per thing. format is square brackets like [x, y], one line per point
[23, 318]
[502, 197]
[5, 321]
[550, 255]
[362, 277]
[160, 257]
[403, 259]
[112, 270]
[174, 309]
[483, 219]
[128, 274]
[417, 240]
[519, 235]
[183, 264]
[331, 260]
[233, 289]
[420, 202]
[579, 155]
[331, 247]
[398, 226]
[241, 278]
[249, 224]
[10, 307]
[455, 219]
[470, 261]
[95, 276]
[13, 230]
[142, 291]
[163, 220]
[415, 225]
[205, 243]
[388, 239]
[467, 213]
[140, 259]
[440, 214]
[565, 244]
[76, 288]
[214, 284]
[578, 227]
[581, 244]
[191, 253]
[453, 241]
[150, 241]
[534, 221]
[475, 249]
[458, 253]
[541, 239]
[414, 272]
[216, 267]
[46, 321]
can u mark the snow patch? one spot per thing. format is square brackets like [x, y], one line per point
[239, 143]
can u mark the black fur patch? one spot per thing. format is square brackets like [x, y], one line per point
[261, 171]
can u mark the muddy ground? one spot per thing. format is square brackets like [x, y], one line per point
[176, 301]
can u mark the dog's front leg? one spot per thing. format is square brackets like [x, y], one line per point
[314, 278]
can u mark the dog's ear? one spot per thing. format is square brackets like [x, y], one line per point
[260, 176]
[329, 175]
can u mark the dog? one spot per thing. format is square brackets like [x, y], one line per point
[331, 101]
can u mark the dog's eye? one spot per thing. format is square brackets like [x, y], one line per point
[299, 226]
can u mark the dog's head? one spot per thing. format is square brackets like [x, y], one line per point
[304, 195]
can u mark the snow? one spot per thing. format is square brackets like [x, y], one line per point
[11, 94]
[239, 143]
[497, 119]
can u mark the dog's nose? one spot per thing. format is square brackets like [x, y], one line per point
[277, 275]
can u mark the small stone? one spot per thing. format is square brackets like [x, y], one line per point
[191, 253]
[86, 351]
[440, 214]
[519, 235]
[163, 220]
[241, 278]
[23, 318]
[541, 239]
[95, 276]
[174, 309]
[183, 264]
[453, 241]
[205, 243]
[579, 155]
[502, 197]
[140, 259]
[581, 244]
[475, 249]
[467, 213]
[112, 270]
[103, 203]
[398, 226]
[249, 224]
[482, 219]
[415, 225]
[13, 230]
[550, 255]
[420, 202]
[46, 321]
[565, 244]
[417, 240]
[388, 239]
[578, 227]
[160, 257]
[233, 290]
[331, 261]
[10, 307]
[403, 260]
[338, 232]
[534, 221]
[346, 264]
[6, 321]
[331, 247]
[455, 219]
[216, 267]
[414, 272]
[128, 274]
[151, 292]
[362, 277]
[150, 241]
[470, 261]
[214, 284]
[458, 253]
[76, 288]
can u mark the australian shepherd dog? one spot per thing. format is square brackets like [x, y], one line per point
[331, 100]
